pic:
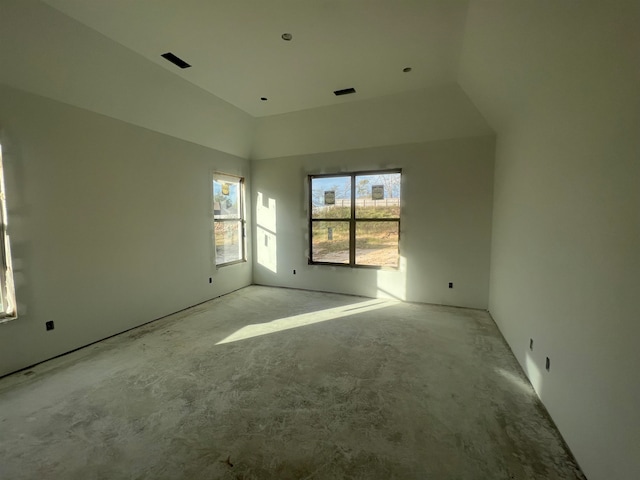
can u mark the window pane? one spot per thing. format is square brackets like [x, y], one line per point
[377, 243]
[228, 238]
[226, 199]
[331, 197]
[330, 242]
[378, 196]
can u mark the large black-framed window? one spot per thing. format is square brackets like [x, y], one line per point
[228, 219]
[354, 219]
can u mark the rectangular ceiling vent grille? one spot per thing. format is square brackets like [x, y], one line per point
[175, 60]
[344, 91]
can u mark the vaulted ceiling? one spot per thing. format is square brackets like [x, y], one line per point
[236, 51]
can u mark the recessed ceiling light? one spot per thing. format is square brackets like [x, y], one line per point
[264, 99]
[287, 37]
[406, 69]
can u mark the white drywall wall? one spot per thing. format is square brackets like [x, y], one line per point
[560, 83]
[445, 222]
[110, 226]
[429, 114]
[46, 52]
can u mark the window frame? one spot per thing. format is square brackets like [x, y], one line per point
[241, 219]
[353, 220]
[8, 307]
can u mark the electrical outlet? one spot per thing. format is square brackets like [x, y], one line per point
[547, 364]
[294, 272]
[210, 280]
[450, 284]
[49, 325]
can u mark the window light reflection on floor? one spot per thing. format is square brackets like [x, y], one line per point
[305, 319]
[519, 382]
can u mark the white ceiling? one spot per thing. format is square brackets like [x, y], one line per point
[236, 51]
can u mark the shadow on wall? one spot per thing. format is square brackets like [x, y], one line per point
[267, 246]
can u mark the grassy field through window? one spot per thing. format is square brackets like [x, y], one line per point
[365, 207]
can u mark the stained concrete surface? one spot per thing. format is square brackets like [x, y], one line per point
[269, 383]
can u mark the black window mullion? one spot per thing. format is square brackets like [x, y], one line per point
[369, 219]
[330, 219]
[352, 223]
[310, 229]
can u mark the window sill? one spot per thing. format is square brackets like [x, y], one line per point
[369, 267]
[235, 262]
[8, 318]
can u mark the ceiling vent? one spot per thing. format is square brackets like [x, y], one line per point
[344, 91]
[175, 60]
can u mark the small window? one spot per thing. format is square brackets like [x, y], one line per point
[354, 219]
[7, 292]
[228, 219]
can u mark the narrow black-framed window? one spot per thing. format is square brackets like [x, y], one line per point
[228, 219]
[354, 219]
[8, 309]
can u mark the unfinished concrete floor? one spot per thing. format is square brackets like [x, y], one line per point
[270, 383]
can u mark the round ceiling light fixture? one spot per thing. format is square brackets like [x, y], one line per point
[287, 37]
[406, 69]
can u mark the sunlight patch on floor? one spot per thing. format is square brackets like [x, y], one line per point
[305, 319]
[517, 381]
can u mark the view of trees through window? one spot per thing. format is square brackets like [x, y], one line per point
[355, 218]
[228, 219]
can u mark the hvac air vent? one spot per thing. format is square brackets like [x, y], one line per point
[175, 60]
[344, 91]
